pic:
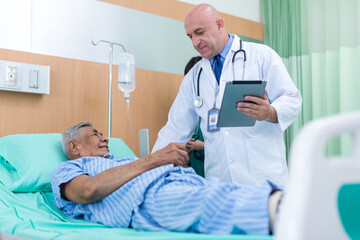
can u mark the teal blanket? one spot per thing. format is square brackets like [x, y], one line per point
[33, 215]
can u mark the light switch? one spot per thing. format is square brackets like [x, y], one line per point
[34, 78]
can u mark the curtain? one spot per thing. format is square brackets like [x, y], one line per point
[318, 41]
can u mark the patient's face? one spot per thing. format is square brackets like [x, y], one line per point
[92, 142]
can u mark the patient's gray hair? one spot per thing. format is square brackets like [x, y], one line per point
[71, 134]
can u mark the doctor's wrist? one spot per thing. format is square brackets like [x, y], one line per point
[272, 115]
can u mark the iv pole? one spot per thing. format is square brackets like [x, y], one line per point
[111, 44]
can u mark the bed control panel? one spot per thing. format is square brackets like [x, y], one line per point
[24, 77]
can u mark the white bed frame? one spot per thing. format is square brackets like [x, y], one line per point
[309, 209]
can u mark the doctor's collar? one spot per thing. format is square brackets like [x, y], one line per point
[225, 50]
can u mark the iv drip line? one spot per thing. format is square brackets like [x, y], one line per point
[130, 123]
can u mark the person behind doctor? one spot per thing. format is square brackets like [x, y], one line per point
[241, 155]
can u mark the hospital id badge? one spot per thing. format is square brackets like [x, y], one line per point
[213, 116]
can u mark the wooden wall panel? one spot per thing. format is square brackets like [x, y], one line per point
[177, 10]
[79, 92]
[149, 105]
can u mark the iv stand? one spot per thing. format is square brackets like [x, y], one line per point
[111, 44]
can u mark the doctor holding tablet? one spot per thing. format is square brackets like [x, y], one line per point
[241, 155]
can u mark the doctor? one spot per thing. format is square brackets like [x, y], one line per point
[241, 155]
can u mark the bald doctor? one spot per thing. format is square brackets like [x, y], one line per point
[243, 155]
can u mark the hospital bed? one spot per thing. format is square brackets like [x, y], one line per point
[26, 201]
[322, 198]
[321, 201]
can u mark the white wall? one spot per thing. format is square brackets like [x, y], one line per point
[15, 24]
[65, 28]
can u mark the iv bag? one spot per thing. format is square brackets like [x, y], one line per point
[126, 74]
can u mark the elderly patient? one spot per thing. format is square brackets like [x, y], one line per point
[154, 192]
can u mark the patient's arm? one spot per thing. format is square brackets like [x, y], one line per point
[84, 189]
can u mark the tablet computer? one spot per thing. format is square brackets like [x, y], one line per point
[235, 91]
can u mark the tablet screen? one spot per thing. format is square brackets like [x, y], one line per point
[234, 92]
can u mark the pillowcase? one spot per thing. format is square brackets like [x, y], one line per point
[27, 161]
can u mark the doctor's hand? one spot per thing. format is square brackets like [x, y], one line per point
[195, 145]
[258, 108]
[174, 153]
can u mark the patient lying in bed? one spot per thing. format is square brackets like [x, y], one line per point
[155, 192]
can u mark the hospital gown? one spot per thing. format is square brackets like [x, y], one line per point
[167, 198]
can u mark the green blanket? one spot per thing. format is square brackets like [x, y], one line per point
[33, 215]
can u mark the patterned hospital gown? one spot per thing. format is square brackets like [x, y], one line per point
[167, 198]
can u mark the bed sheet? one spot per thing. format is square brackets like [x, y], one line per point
[33, 215]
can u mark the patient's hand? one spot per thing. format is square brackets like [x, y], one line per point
[174, 153]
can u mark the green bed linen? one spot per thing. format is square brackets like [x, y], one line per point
[34, 216]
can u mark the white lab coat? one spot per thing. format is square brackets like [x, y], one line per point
[241, 155]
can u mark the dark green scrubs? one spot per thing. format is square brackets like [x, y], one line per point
[198, 164]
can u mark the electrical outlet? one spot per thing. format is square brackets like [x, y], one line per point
[24, 77]
[11, 76]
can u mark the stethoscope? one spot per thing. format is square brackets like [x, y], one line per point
[198, 100]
